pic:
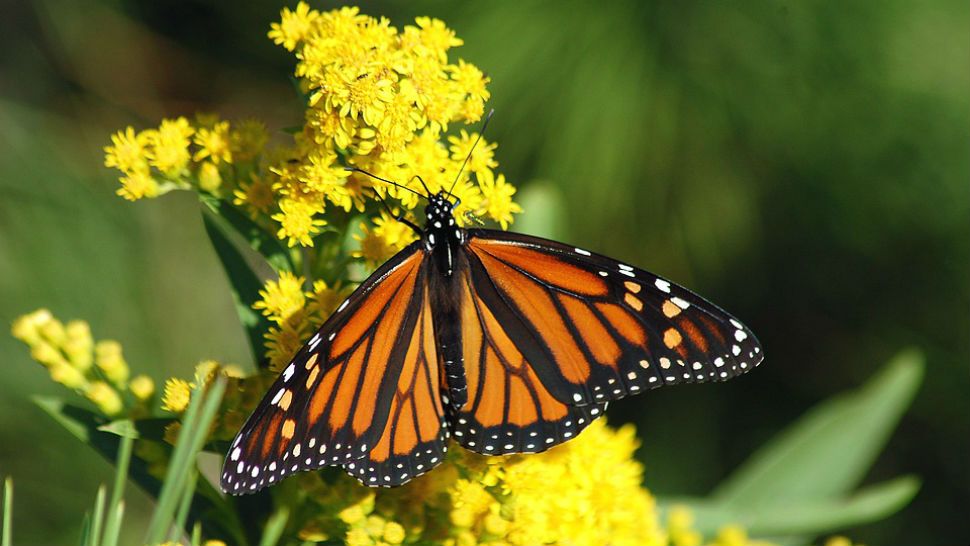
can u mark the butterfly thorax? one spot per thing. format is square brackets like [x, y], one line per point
[443, 239]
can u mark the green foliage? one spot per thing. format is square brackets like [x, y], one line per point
[800, 484]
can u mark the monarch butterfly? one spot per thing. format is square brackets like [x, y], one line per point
[508, 343]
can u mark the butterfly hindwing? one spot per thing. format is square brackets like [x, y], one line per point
[333, 401]
[509, 407]
[604, 329]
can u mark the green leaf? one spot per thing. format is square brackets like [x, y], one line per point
[803, 517]
[264, 243]
[243, 281]
[152, 428]
[84, 425]
[827, 452]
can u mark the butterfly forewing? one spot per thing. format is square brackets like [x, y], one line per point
[604, 329]
[332, 401]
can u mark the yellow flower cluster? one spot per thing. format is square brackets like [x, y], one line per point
[96, 370]
[295, 313]
[378, 99]
[586, 491]
[182, 155]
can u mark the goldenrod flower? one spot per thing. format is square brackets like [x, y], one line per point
[138, 185]
[214, 143]
[176, 396]
[170, 146]
[297, 221]
[127, 152]
[282, 298]
[248, 139]
[256, 196]
[482, 156]
[294, 26]
[283, 342]
[497, 198]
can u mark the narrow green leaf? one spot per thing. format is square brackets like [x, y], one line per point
[94, 539]
[86, 530]
[803, 517]
[827, 452]
[245, 284]
[7, 532]
[181, 516]
[122, 463]
[274, 527]
[112, 529]
[195, 426]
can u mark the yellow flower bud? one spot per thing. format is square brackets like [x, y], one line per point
[47, 354]
[352, 514]
[53, 331]
[213, 543]
[78, 344]
[375, 526]
[142, 387]
[394, 533]
[107, 355]
[105, 397]
[67, 375]
[496, 525]
[209, 178]
[27, 327]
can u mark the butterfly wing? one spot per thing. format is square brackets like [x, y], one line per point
[593, 329]
[363, 393]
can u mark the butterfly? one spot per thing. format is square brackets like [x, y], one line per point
[506, 343]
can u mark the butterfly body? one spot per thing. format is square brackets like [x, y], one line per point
[504, 342]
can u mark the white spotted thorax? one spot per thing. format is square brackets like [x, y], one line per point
[441, 236]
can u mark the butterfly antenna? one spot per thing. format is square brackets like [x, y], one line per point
[399, 217]
[374, 176]
[469, 156]
[423, 185]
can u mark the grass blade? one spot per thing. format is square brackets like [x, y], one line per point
[97, 518]
[274, 527]
[195, 426]
[112, 528]
[178, 526]
[7, 532]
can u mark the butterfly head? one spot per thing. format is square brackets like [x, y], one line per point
[440, 211]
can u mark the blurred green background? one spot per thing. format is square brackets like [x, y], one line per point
[804, 164]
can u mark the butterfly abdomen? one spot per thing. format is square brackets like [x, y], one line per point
[446, 314]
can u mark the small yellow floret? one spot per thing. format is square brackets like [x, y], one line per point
[177, 395]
